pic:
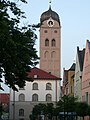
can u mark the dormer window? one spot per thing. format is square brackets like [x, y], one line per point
[35, 76]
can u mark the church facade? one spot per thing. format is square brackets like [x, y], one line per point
[45, 87]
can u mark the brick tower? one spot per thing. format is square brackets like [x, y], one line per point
[50, 42]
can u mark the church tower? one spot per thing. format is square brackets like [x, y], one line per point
[50, 42]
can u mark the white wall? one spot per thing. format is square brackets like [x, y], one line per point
[28, 92]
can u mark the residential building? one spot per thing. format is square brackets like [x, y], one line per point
[68, 81]
[65, 82]
[44, 89]
[86, 75]
[78, 73]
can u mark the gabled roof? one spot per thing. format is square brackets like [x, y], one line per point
[39, 74]
[72, 68]
[81, 54]
[88, 45]
[65, 74]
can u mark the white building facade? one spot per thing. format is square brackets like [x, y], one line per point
[41, 90]
[78, 73]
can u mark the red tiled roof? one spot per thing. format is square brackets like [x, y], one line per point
[4, 98]
[37, 73]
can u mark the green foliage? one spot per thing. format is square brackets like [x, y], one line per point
[88, 111]
[67, 104]
[42, 109]
[17, 52]
[39, 109]
[82, 109]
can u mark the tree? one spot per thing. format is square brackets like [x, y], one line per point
[43, 109]
[67, 104]
[50, 110]
[17, 52]
[38, 110]
[82, 109]
[88, 111]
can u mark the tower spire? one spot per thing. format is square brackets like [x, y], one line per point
[50, 4]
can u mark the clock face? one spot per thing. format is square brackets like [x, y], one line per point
[50, 22]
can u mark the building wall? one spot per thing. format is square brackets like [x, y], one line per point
[77, 80]
[28, 104]
[86, 76]
[28, 92]
[50, 63]
[70, 83]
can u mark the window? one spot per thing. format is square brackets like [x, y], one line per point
[34, 97]
[21, 112]
[53, 43]
[46, 54]
[21, 97]
[53, 54]
[83, 98]
[46, 42]
[66, 91]
[48, 86]
[35, 76]
[86, 97]
[45, 31]
[55, 31]
[35, 86]
[48, 98]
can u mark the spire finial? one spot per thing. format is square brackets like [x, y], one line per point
[49, 3]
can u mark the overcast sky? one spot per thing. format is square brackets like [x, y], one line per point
[75, 24]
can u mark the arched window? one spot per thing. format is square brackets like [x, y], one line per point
[48, 86]
[21, 97]
[46, 54]
[46, 42]
[21, 112]
[35, 86]
[48, 98]
[53, 43]
[53, 54]
[34, 97]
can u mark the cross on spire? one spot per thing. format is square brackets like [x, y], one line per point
[50, 3]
